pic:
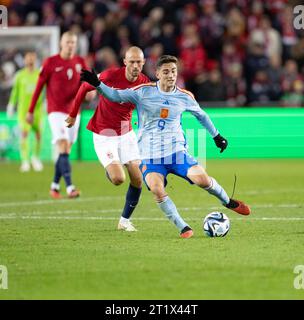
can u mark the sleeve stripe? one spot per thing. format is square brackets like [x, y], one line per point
[149, 84]
[187, 92]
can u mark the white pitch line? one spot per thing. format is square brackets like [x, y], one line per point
[257, 206]
[182, 209]
[43, 202]
[110, 198]
[270, 191]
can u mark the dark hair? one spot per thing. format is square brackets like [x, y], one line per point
[165, 59]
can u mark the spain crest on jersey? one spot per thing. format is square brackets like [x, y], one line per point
[164, 113]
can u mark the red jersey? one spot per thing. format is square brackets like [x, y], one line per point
[110, 116]
[62, 79]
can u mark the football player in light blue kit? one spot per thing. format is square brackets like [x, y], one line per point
[161, 139]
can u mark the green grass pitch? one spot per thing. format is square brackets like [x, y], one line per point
[70, 249]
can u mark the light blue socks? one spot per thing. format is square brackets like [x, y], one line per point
[218, 191]
[169, 208]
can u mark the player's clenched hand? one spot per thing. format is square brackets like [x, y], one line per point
[29, 118]
[90, 77]
[70, 122]
[220, 142]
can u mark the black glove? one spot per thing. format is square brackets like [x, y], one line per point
[220, 142]
[90, 77]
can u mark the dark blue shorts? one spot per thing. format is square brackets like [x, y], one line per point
[177, 163]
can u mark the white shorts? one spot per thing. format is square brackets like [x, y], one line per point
[120, 149]
[59, 128]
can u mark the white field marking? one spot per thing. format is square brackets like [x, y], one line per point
[257, 206]
[183, 209]
[46, 202]
[271, 191]
[10, 217]
[202, 208]
[109, 198]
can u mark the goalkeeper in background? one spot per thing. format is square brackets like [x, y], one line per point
[22, 91]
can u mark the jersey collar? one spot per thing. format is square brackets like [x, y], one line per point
[163, 92]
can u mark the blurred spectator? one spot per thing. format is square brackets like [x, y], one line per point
[31, 19]
[243, 5]
[267, 36]
[289, 37]
[235, 85]
[105, 58]
[236, 30]
[192, 55]
[256, 60]
[152, 55]
[168, 39]
[14, 19]
[98, 37]
[229, 56]
[211, 89]
[69, 15]
[257, 11]
[123, 40]
[156, 16]
[189, 15]
[260, 90]
[235, 23]
[89, 15]
[82, 41]
[297, 53]
[275, 75]
[275, 10]
[211, 29]
[290, 75]
[49, 17]
[145, 36]
[295, 97]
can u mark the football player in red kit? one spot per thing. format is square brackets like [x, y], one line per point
[61, 75]
[114, 140]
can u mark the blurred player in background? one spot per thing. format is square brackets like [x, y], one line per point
[161, 139]
[22, 91]
[60, 74]
[114, 140]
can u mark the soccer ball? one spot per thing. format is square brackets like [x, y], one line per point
[216, 224]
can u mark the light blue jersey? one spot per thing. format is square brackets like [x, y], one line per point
[160, 131]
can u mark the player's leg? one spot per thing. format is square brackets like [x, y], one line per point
[66, 168]
[36, 162]
[129, 156]
[199, 176]
[63, 137]
[156, 183]
[24, 141]
[64, 147]
[24, 150]
[106, 149]
[132, 196]
[115, 173]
